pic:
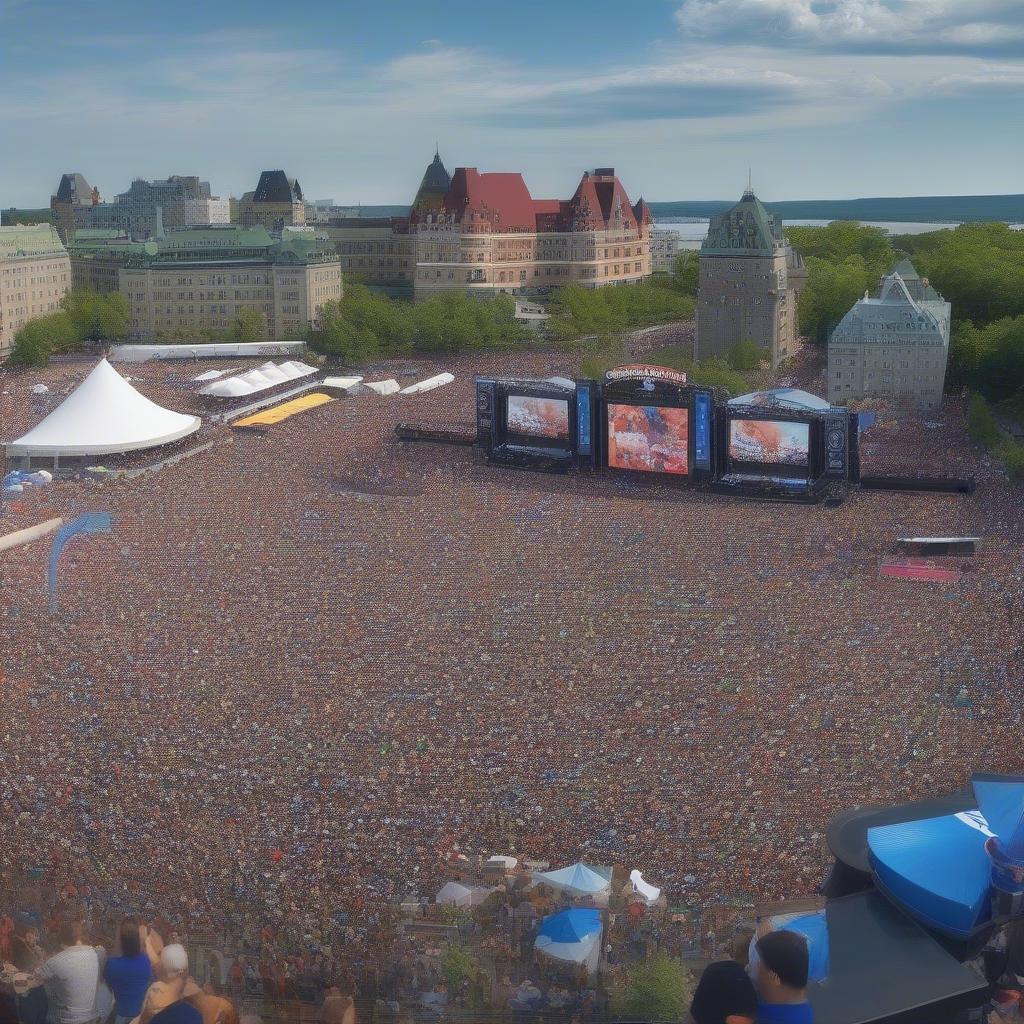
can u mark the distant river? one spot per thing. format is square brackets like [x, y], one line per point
[693, 230]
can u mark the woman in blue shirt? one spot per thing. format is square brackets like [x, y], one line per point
[129, 974]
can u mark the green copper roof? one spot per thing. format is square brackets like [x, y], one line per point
[213, 244]
[747, 229]
[29, 240]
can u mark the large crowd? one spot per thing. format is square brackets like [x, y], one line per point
[310, 665]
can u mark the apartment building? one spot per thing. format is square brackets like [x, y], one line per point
[35, 274]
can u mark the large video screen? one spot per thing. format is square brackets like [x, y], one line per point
[649, 438]
[538, 417]
[775, 442]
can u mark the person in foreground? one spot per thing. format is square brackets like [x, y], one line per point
[724, 995]
[781, 979]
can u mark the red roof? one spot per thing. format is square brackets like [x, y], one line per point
[500, 201]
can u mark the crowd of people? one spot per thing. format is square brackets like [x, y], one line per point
[309, 665]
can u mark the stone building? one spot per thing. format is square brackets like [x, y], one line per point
[198, 280]
[666, 244]
[144, 211]
[484, 233]
[35, 273]
[73, 198]
[894, 346]
[750, 278]
[382, 250]
[275, 203]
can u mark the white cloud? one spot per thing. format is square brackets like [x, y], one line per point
[922, 25]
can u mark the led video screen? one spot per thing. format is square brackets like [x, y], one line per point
[537, 417]
[649, 438]
[775, 442]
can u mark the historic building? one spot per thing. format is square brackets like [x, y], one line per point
[750, 278]
[485, 233]
[893, 346]
[666, 245]
[35, 273]
[144, 211]
[276, 203]
[73, 198]
[199, 279]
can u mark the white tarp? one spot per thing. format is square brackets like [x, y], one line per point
[649, 892]
[205, 350]
[340, 383]
[260, 379]
[384, 387]
[429, 384]
[506, 863]
[102, 416]
[209, 375]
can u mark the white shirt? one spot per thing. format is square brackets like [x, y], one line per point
[71, 977]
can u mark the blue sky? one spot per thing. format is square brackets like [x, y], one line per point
[822, 98]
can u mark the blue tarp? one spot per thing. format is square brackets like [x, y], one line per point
[90, 522]
[1001, 801]
[865, 420]
[937, 869]
[570, 925]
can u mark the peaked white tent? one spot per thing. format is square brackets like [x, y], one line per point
[102, 416]
[578, 879]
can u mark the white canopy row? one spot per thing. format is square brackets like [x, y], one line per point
[263, 377]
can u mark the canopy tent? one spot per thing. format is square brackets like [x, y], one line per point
[340, 383]
[578, 879]
[384, 387]
[260, 379]
[503, 861]
[104, 415]
[782, 398]
[573, 936]
[649, 892]
[458, 895]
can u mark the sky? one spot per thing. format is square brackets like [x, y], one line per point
[820, 99]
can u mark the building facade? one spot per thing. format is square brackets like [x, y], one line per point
[197, 280]
[666, 244]
[35, 274]
[484, 233]
[146, 210]
[489, 235]
[894, 346]
[275, 203]
[750, 279]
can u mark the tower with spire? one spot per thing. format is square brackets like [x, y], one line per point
[750, 278]
[433, 187]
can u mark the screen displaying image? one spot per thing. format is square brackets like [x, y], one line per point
[777, 442]
[649, 438]
[538, 417]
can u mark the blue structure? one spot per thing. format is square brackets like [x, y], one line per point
[941, 870]
[90, 522]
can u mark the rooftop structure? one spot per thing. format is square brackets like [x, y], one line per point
[197, 280]
[276, 202]
[750, 279]
[894, 345]
[35, 273]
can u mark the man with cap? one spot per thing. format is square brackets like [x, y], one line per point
[781, 979]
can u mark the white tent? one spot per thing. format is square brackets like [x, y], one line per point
[649, 892]
[578, 878]
[461, 895]
[260, 379]
[782, 398]
[384, 387]
[429, 384]
[102, 416]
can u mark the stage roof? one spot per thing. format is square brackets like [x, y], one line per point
[885, 967]
[102, 416]
[782, 398]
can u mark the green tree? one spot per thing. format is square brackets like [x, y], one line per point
[746, 355]
[39, 339]
[659, 988]
[686, 272]
[97, 316]
[249, 325]
[981, 423]
[457, 965]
